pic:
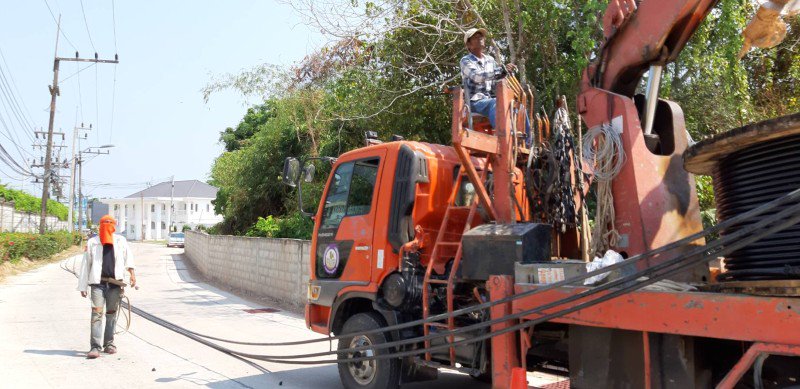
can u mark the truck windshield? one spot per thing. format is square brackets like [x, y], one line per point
[351, 190]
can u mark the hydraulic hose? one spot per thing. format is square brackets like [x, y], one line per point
[697, 256]
[705, 253]
[745, 217]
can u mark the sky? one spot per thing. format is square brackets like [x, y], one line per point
[154, 113]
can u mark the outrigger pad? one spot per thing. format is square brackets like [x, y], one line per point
[494, 249]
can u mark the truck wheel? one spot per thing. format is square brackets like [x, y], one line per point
[375, 374]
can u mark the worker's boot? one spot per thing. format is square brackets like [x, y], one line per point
[94, 353]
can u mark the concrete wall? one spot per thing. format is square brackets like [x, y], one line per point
[12, 220]
[276, 268]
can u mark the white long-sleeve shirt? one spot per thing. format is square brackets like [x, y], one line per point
[92, 264]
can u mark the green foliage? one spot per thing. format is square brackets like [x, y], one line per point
[705, 195]
[186, 227]
[24, 202]
[236, 138]
[389, 80]
[14, 246]
[294, 226]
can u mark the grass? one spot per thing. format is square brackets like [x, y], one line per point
[22, 265]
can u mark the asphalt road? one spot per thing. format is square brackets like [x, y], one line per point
[44, 335]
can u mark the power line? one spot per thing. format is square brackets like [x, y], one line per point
[86, 23]
[14, 83]
[9, 101]
[64, 34]
[10, 134]
[13, 101]
[114, 87]
[7, 134]
[78, 72]
[97, 104]
[12, 163]
[80, 94]
[113, 105]
[114, 23]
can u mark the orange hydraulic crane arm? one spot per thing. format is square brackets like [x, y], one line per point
[644, 33]
[637, 37]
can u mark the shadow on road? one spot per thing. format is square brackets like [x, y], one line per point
[64, 353]
[324, 377]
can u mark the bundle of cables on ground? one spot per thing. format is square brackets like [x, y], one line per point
[760, 222]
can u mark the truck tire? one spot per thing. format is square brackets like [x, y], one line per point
[377, 374]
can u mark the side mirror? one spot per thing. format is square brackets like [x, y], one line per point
[291, 172]
[308, 173]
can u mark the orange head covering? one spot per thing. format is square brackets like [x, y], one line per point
[107, 228]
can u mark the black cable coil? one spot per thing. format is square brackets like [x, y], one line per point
[746, 179]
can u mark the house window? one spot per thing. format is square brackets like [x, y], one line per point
[163, 207]
[152, 225]
[132, 227]
[208, 207]
[152, 207]
[116, 207]
[163, 225]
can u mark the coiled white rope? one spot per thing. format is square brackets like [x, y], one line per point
[603, 153]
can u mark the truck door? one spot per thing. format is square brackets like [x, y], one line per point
[344, 239]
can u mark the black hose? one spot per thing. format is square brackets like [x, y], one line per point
[529, 323]
[794, 195]
[702, 254]
[697, 256]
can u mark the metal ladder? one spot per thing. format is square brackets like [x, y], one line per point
[456, 218]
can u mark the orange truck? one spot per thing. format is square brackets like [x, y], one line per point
[408, 230]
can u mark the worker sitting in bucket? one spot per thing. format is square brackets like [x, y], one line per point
[105, 261]
[481, 73]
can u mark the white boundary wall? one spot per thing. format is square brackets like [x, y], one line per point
[276, 268]
[12, 220]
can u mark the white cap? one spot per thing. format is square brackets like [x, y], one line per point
[473, 31]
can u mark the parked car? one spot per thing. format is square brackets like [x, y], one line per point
[175, 239]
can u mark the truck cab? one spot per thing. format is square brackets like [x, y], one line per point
[372, 201]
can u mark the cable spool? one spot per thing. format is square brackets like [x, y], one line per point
[753, 165]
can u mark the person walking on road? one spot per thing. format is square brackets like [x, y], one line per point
[102, 276]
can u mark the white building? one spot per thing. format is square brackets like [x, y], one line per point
[190, 202]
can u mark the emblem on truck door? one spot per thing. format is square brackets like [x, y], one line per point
[330, 258]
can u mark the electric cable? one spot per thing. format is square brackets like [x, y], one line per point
[699, 256]
[86, 23]
[745, 236]
[11, 107]
[63, 34]
[27, 113]
[793, 196]
[78, 71]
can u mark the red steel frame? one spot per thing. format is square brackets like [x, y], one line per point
[712, 315]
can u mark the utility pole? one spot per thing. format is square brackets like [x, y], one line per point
[54, 92]
[80, 179]
[80, 192]
[171, 204]
[141, 196]
[73, 162]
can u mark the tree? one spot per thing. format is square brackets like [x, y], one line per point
[388, 63]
